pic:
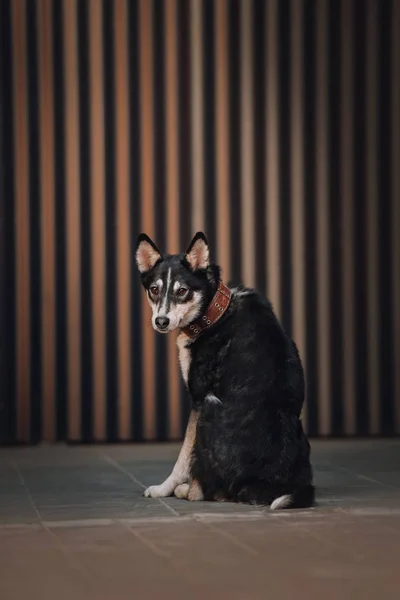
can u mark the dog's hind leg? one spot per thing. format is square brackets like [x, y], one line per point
[195, 492]
[189, 491]
[181, 470]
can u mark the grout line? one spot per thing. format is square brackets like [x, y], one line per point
[292, 516]
[122, 469]
[229, 536]
[136, 534]
[28, 493]
[363, 477]
[131, 521]
[323, 539]
[69, 557]
[45, 526]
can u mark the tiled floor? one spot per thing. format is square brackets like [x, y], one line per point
[74, 524]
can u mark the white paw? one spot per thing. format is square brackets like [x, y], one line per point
[158, 491]
[182, 491]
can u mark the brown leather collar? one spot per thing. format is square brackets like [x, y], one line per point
[214, 312]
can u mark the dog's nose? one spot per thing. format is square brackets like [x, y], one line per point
[162, 322]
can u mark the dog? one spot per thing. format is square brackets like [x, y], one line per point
[244, 441]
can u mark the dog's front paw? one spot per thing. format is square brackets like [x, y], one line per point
[157, 491]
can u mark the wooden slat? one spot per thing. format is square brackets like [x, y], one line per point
[97, 207]
[197, 115]
[21, 186]
[322, 249]
[247, 146]
[147, 202]
[123, 221]
[297, 184]
[222, 136]
[47, 209]
[347, 209]
[272, 157]
[396, 201]
[372, 217]
[72, 219]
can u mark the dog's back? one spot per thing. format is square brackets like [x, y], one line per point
[247, 381]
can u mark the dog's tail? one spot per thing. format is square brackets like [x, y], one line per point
[261, 494]
[301, 498]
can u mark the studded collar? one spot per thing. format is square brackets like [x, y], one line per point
[214, 312]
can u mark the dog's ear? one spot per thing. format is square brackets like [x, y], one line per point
[147, 253]
[198, 254]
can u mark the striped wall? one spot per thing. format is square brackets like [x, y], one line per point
[273, 125]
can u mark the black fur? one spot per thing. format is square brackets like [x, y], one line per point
[250, 447]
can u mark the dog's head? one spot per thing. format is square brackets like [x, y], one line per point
[178, 287]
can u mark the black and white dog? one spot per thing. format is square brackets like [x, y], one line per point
[244, 441]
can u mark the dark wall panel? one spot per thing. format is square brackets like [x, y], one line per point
[272, 126]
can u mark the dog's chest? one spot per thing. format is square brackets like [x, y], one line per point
[203, 365]
[184, 355]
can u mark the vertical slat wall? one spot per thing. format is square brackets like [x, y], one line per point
[272, 125]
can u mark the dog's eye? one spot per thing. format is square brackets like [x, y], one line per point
[154, 290]
[182, 291]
